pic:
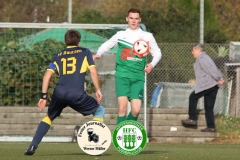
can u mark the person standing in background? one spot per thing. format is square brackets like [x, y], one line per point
[208, 77]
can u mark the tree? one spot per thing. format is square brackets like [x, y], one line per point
[89, 16]
[227, 14]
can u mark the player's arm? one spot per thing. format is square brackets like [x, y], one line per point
[156, 54]
[52, 68]
[155, 51]
[95, 80]
[94, 75]
[46, 80]
[43, 99]
[105, 47]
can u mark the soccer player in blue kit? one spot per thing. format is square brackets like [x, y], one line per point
[71, 64]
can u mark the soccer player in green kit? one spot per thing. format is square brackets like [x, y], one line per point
[129, 76]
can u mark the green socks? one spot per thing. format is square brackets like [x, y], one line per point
[124, 118]
[120, 119]
[131, 117]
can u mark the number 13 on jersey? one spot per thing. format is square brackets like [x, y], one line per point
[69, 65]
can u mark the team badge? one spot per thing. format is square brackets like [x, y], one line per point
[129, 137]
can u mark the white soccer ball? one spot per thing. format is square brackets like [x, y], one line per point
[141, 48]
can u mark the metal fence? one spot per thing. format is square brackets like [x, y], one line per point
[172, 80]
[168, 85]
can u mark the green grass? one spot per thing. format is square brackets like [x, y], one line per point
[152, 151]
[229, 129]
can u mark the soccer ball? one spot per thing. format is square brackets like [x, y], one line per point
[141, 48]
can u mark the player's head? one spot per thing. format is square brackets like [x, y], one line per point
[133, 18]
[72, 38]
[197, 49]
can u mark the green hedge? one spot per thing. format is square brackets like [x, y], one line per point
[22, 70]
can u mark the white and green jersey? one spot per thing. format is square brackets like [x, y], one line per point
[128, 64]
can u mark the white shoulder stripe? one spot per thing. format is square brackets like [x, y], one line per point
[124, 42]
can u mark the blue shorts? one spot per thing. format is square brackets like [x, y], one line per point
[80, 101]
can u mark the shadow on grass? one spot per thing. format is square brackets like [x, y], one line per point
[153, 152]
[105, 154]
[75, 154]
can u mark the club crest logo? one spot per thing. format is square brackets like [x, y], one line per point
[129, 137]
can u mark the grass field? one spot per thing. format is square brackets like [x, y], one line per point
[152, 151]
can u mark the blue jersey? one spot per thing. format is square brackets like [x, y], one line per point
[72, 64]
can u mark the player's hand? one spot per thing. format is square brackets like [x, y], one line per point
[96, 57]
[220, 82]
[148, 68]
[99, 96]
[41, 104]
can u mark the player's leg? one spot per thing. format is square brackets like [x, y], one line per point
[86, 105]
[136, 97]
[98, 115]
[135, 109]
[122, 108]
[55, 108]
[42, 129]
[122, 86]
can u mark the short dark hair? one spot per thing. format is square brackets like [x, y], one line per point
[199, 46]
[72, 37]
[134, 10]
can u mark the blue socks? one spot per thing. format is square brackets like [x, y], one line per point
[42, 129]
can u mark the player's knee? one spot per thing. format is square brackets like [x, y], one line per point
[135, 112]
[100, 112]
[122, 110]
[47, 120]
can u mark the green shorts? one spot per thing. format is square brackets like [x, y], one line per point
[132, 88]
